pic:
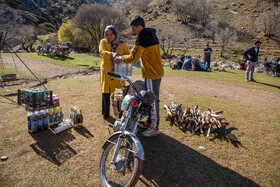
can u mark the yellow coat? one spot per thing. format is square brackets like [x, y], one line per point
[147, 48]
[108, 85]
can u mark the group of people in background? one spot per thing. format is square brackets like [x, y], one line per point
[190, 64]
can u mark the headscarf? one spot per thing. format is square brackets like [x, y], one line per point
[115, 43]
[117, 40]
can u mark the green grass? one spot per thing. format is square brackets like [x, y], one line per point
[44, 159]
[231, 77]
[72, 61]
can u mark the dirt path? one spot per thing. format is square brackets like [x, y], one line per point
[209, 88]
[42, 70]
[216, 89]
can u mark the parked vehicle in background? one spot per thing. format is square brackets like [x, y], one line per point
[60, 51]
[54, 50]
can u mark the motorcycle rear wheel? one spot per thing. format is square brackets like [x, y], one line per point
[124, 173]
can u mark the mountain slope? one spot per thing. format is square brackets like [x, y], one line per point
[48, 14]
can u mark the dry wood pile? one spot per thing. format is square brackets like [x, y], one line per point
[193, 119]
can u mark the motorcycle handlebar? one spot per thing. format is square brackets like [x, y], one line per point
[114, 74]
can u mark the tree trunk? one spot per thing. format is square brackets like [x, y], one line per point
[222, 51]
[23, 47]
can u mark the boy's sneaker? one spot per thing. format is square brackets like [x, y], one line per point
[150, 132]
[144, 125]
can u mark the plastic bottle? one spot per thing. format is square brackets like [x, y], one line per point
[117, 68]
[29, 122]
[34, 125]
[129, 72]
[62, 126]
[72, 116]
[115, 94]
[120, 94]
[61, 115]
[45, 119]
[40, 121]
[38, 99]
[42, 98]
[30, 98]
[123, 67]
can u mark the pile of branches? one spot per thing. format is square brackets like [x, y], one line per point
[194, 120]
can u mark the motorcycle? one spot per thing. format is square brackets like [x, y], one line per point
[44, 49]
[60, 51]
[123, 155]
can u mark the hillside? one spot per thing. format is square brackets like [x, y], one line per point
[237, 14]
[48, 14]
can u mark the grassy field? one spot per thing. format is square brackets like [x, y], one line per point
[71, 158]
[72, 61]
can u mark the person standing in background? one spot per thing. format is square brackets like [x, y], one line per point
[251, 57]
[207, 56]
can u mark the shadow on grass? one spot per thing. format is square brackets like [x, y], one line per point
[9, 100]
[274, 86]
[218, 70]
[221, 134]
[84, 132]
[168, 162]
[53, 147]
[63, 58]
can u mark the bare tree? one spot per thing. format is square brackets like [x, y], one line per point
[169, 39]
[142, 5]
[211, 29]
[225, 38]
[269, 22]
[179, 7]
[192, 10]
[205, 10]
[9, 27]
[27, 34]
[94, 18]
[189, 44]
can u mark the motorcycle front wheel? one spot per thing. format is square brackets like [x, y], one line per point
[128, 166]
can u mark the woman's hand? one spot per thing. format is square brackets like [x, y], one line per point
[113, 55]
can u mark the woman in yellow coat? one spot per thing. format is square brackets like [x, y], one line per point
[108, 47]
